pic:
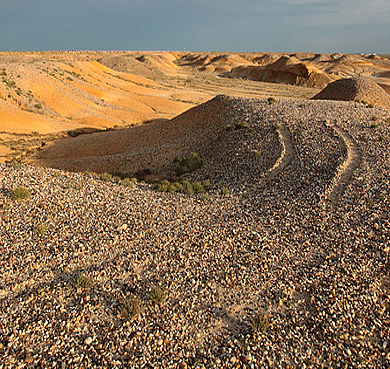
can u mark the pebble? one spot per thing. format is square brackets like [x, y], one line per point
[274, 245]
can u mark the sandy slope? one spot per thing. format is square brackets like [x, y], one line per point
[53, 92]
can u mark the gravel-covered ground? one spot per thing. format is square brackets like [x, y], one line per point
[302, 237]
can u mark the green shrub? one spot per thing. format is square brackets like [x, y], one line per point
[374, 118]
[127, 182]
[388, 120]
[4, 206]
[370, 105]
[271, 100]
[206, 183]
[41, 229]
[241, 125]
[357, 100]
[259, 323]
[20, 193]
[228, 127]
[132, 307]
[224, 191]
[188, 164]
[157, 294]
[374, 125]
[106, 177]
[197, 187]
[80, 280]
[364, 102]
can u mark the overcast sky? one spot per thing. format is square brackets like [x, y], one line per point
[350, 26]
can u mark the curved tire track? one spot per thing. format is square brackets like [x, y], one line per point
[345, 171]
[288, 152]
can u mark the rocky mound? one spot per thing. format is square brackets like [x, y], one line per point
[286, 69]
[357, 88]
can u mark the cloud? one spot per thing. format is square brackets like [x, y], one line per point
[279, 25]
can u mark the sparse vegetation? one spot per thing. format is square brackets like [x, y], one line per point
[20, 193]
[38, 106]
[158, 294]
[132, 307]
[107, 177]
[188, 164]
[224, 191]
[241, 125]
[41, 229]
[259, 323]
[80, 280]
[4, 206]
[127, 182]
[181, 186]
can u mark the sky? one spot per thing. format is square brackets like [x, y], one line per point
[345, 26]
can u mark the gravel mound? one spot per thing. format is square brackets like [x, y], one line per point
[317, 269]
[356, 88]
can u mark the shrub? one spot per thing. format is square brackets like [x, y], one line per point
[197, 187]
[278, 127]
[157, 294]
[374, 118]
[357, 100]
[163, 186]
[241, 125]
[224, 191]
[364, 102]
[132, 306]
[188, 164]
[20, 193]
[80, 280]
[41, 229]
[271, 100]
[228, 127]
[4, 206]
[127, 182]
[388, 120]
[374, 125]
[206, 183]
[370, 105]
[107, 177]
[259, 323]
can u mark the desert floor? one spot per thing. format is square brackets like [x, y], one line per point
[156, 212]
